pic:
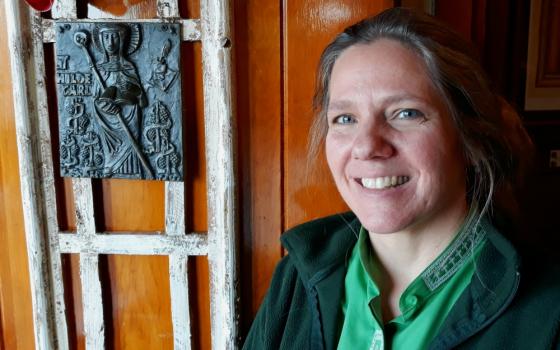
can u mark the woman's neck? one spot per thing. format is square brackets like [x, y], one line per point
[402, 256]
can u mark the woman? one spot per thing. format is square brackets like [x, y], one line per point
[419, 148]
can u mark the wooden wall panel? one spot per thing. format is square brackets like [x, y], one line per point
[2, 347]
[15, 295]
[548, 71]
[258, 67]
[309, 27]
[139, 289]
[131, 205]
[457, 14]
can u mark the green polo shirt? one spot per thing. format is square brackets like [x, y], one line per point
[424, 304]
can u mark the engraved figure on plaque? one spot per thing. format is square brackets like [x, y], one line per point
[157, 134]
[78, 120]
[162, 75]
[122, 103]
[118, 100]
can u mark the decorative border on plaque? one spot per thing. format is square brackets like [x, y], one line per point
[119, 100]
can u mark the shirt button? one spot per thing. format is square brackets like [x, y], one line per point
[412, 300]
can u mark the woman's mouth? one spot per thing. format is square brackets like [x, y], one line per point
[379, 183]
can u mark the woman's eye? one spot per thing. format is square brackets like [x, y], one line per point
[409, 114]
[344, 119]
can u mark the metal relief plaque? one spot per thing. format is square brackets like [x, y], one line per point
[119, 100]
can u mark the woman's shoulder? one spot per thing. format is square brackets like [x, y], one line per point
[316, 245]
[315, 235]
[280, 316]
[532, 320]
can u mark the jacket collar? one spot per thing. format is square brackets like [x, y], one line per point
[492, 289]
[320, 250]
[320, 245]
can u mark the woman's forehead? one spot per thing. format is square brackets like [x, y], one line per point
[386, 53]
[384, 67]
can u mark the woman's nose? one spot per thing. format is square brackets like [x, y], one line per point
[371, 144]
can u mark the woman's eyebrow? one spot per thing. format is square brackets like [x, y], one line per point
[339, 105]
[403, 97]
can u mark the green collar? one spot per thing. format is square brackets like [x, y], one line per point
[435, 275]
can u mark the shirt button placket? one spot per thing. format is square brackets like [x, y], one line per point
[377, 343]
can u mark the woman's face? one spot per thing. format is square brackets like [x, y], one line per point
[391, 144]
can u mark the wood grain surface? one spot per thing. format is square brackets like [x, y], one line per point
[259, 107]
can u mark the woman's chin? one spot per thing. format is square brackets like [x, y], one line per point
[384, 226]
[384, 223]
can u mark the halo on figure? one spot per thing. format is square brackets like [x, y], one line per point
[130, 33]
[135, 37]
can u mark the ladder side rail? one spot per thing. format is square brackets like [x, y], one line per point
[220, 170]
[33, 142]
[61, 9]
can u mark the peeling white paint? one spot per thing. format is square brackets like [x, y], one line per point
[190, 29]
[89, 267]
[178, 278]
[27, 31]
[49, 195]
[175, 208]
[167, 9]
[180, 310]
[94, 327]
[220, 170]
[36, 176]
[64, 9]
[135, 244]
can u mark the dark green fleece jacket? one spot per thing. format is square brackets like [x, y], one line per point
[506, 306]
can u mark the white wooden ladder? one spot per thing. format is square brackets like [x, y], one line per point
[27, 32]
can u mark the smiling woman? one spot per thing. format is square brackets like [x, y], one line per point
[400, 128]
[419, 148]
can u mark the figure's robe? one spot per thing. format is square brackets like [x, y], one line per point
[123, 89]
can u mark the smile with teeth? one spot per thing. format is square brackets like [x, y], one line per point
[379, 183]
